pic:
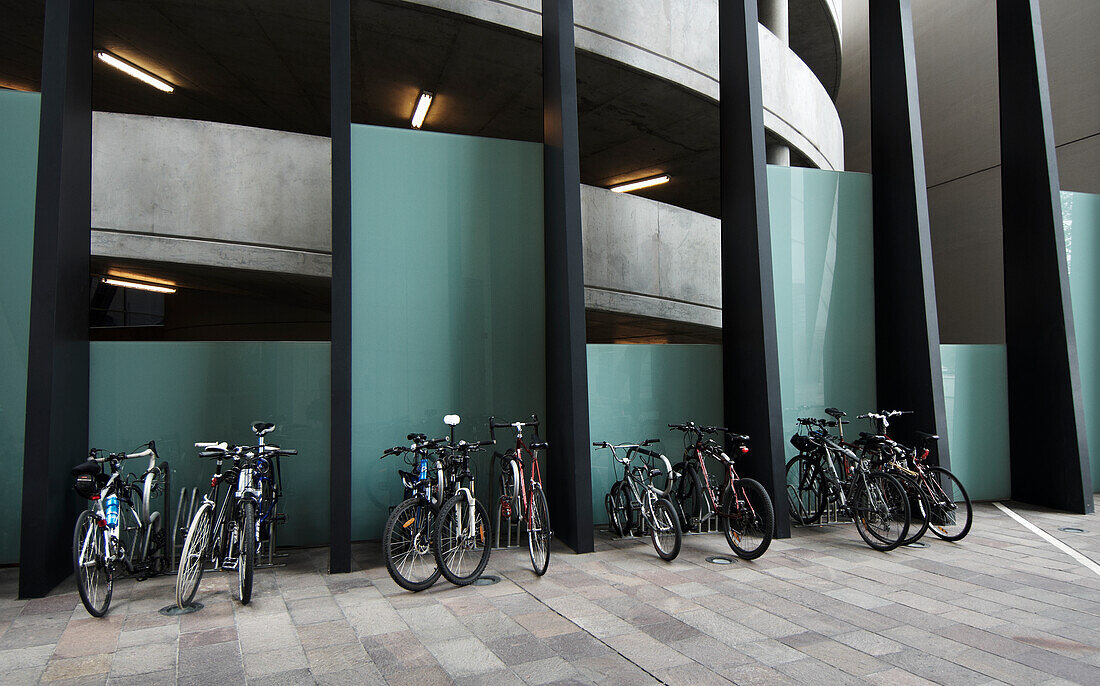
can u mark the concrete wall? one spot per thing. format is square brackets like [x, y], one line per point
[956, 46]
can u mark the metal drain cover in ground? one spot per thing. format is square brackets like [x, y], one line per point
[1072, 530]
[174, 610]
[486, 580]
[719, 560]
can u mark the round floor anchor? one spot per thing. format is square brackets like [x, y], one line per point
[1071, 530]
[916, 544]
[719, 560]
[486, 580]
[174, 610]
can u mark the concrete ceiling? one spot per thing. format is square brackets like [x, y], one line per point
[265, 63]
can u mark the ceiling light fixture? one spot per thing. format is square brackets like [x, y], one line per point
[638, 185]
[110, 281]
[139, 277]
[423, 102]
[134, 71]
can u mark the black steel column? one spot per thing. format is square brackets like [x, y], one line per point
[57, 365]
[339, 559]
[907, 332]
[750, 350]
[570, 469]
[1049, 454]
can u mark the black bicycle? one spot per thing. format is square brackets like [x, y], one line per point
[634, 499]
[408, 537]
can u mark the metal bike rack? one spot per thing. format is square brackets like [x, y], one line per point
[511, 530]
[182, 522]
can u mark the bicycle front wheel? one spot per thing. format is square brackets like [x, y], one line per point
[246, 554]
[193, 556]
[93, 569]
[881, 511]
[407, 545]
[918, 508]
[690, 499]
[748, 518]
[952, 513]
[462, 539]
[618, 510]
[664, 530]
[805, 490]
[538, 531]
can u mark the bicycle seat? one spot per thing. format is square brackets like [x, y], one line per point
[261, 428]
[213, 452]
[926, 436]
[87, 467]
[539, 445]
[737, 438]
[835, 413]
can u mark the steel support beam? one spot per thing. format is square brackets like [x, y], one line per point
[1047, 446]
[750, 349]
[907, 333]
[339, 560]
[57, 369]
[570, 469]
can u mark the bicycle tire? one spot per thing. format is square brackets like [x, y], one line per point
[665, 519]
[748, 530]
[618, 510]
[511, 476]
[193, 556]
[805, 496]
[689, 497]
[406, 551]
[880, 511]
[246, 551]
[943, 517]
[918, 508]
[85, 558]
[538, 536]
[450, 542]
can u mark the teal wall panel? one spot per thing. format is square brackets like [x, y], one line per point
[822, 258]
[177, 393]
[1081, 220]
[447, 296]
[18, 178]
[975, 389]
[635, 391]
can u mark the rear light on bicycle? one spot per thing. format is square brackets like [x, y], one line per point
[923, 455]
[101, 523]
[94, 497]
[505, 507]
[744, 449]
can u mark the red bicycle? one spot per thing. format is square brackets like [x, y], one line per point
[523, 498]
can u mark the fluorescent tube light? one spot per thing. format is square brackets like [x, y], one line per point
[134, 71]
[138, 285]
[638, 185]
[139, 277]
[422, 104]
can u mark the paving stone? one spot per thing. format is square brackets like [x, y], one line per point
[274, 661]
[143, 659]
[337, 658]
[464, 656]
[77, 667]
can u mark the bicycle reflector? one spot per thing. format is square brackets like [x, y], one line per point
[924, 454]
[744, 449]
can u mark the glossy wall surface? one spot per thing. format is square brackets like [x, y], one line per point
[635, 391]
[824, 292]
[1081, 220]
[18, 177]
[975, 390]
[177, 393]
[447, 298]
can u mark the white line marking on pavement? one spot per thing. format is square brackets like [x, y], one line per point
[1089, 564]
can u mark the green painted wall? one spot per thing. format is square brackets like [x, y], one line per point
[1081, 220]
[975, 390]
[447, 296]
[177, 393]
[18, 177]
[635, 391]
[822, 257]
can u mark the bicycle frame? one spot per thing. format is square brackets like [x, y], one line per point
[731, 479]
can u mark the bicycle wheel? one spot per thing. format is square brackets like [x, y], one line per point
[510, 478]
[461, 542]
[690, 498]
[951, 513]
[918, 508]
[538, 531]
[93, 571]
[618, 510]
[664, 529]
[193, 555]
[407, 545]
[805, 490]
[246, 551]
[880, 511]
[748, 518]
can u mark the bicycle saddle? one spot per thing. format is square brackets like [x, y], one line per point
[539, 445]
[926, 436]
[87, 467]
[835, 413]
[261, 428]
[737, 438]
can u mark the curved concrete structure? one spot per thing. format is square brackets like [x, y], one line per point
[678, 41]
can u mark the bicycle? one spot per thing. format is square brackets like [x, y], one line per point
[636, 494]
[744, 509]
[523, 498]
[875, 501]
[462, 523]
[119, 529]
[407, 539]
[887, 455]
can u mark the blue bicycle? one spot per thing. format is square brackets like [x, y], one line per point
[407, 541]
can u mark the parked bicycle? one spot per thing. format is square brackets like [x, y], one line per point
[522, 498]
[887, 455]
[826, 471]
[744, 507]
[461, 534]
[408, 537]
[120, 529]
[634, 499]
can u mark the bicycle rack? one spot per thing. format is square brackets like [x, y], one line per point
[494, 500]
[182, 522]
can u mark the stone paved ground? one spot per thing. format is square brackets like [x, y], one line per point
[1002, 606]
